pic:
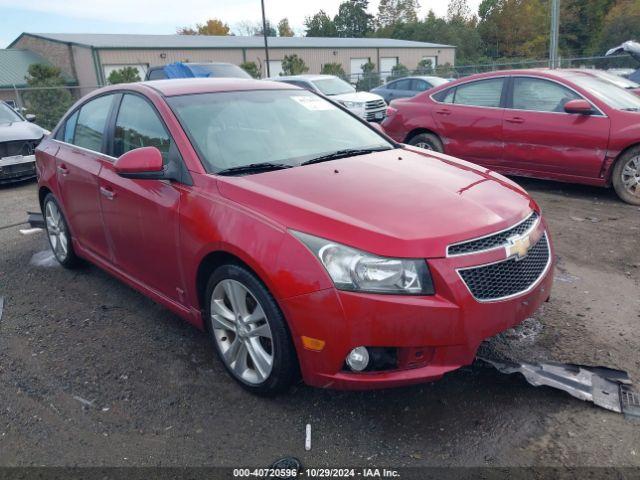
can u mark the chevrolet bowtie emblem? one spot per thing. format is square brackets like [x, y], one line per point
[518, 246]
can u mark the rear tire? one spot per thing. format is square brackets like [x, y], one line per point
[249, 332]
[58, 233]
[428, 141]
[625, 176]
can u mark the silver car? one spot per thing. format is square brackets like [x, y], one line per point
[19, 137]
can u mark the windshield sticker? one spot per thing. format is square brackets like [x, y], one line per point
[314, 103]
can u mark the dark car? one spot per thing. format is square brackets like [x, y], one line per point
[196, 70]
[562, 125]
[407, 87]
[18, 139]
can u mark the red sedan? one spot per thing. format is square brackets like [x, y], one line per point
[562, 125]
[297, 235]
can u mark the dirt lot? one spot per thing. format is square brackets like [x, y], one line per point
[93, 373]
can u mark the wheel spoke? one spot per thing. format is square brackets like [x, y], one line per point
[256, 316]
[222, 323]
[219, 308]
[231, 354]
[237, 296]
[261, 360]
[261, 331]
[240, 365]
[63, 243]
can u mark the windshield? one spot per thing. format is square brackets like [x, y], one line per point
[616, 79]
[333, 86]
[225, 71]
[613, 96]
[235, 129]
[7, 115]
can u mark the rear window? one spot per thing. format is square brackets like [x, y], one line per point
[91, 123]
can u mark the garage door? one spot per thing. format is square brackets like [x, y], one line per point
[356, 66]
[386, 65]
[275, 68]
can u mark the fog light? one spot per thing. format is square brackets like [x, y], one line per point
[358, 359]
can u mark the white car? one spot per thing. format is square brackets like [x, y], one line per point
[366, 105]
[19, 138]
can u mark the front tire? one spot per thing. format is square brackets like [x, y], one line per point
[626, 176]
[249, 331]
[58, 233]
[428, 141]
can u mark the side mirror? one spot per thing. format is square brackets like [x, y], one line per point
[579, 106]
[141, 163]
[376, 126]
[30, 117]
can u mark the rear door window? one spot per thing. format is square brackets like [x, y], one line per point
[403, 85]
[91, 123]
[482, 93]
[157, 74]
[420, 85]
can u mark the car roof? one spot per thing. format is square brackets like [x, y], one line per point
[539, 72]
[187, 86]
[308, 77]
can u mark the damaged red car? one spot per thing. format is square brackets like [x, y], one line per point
[303, 240]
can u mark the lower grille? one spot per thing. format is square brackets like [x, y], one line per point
[375, 104]
[510, 277]
[18, 147]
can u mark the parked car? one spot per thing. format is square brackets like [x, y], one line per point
[297, 235]
[19, 137]
[555, 124]
[196, 70]
[612, 78]
[407, 87]
[369, 106]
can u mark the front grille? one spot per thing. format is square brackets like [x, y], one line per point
[509, 277]
[18, 147]
[375, 105]
[492, 241]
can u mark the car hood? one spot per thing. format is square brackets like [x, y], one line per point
[20, 131]
[398, 203]
[357, 97]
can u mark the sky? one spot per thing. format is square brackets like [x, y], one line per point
[159, 16]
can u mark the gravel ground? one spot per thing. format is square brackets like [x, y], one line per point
[94, 374]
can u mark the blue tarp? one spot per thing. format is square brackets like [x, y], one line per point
[185, 70]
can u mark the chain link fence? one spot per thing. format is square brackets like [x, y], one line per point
[621, 64]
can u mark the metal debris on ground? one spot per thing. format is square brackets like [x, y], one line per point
[35, 219]
[29, 231]
[605, 387]
[1, 306]
[307, 440]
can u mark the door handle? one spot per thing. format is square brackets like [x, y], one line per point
[63, 170]
[443, 111]
[515, 120]
[107, 192]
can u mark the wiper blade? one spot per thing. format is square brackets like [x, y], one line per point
[631, 109]
[253, 168]
[348, 152]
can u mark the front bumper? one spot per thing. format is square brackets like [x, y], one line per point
[18, 167]
[447, 327]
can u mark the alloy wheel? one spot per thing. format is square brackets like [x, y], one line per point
[425, 145]
[57, 231]
[242, 332]
[631, 176]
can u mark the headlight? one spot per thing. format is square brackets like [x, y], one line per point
[353, 104]
[355, 270]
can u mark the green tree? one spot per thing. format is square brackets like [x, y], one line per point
[399, 71]
[48, 104]
[212, 26]
[622, 23]
[124, 75]
[353, 20]
[284, 29]
[271, 31]
[425, 67]
[581, 22]
[392, 12]
[370, 78]
[320, 25]
[293, 65]
[252, 69]
[333, 69]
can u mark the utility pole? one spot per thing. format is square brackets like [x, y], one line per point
[555, 33]
[264, 33]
